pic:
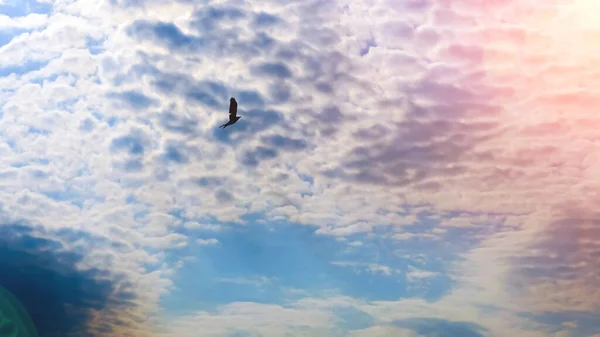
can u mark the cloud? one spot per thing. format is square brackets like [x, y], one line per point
[370, 267]
[276, 70]
[254, 318]
[436, 327]
[416, 274]
[451, 147]
[31, 21]
[134, 100]
[377, 331]
[164, 34]
[195, 225]
[562, 259]
[285, 143]
[258, 281]
[207, 242]
[60, 293]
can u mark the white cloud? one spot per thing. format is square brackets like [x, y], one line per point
[207, 242]
[369, 267]
[416, 274]
[262, 319]
[199, 226]
[62, 33]
[407, 236]
[376, 268]
[384, 331]
[31, 21]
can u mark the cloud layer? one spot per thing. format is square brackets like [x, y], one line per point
[431, 164]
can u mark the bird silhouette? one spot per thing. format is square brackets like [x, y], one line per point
[233, 117]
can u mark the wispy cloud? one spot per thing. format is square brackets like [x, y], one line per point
[415, 274]
[370, 267]
[207, 242]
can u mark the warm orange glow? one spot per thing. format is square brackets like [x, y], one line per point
[554, 52]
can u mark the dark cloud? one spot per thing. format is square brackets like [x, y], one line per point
[560, 267]
[170, 83]
[445, 130]
[223, 196]
[197, 95]
[324, 87]
[368, 44]
[210, 182]
[285, 143]
[250, 98]
[210, 38]
[322, 71]
[132, 143]
[331, 115]
[209, 17]
[61, 299]
[275, 70]
[252, 122]
[286, 53]
[280, 92]
[264, 41]
[179, 152]
[254, 157]
[434, 327]
[264, 20]
[174, 154]
[211, 93]
[586, 322]
[326, 67]
[161, 173]
[213, 39]
[131, 165]
[173, 83]
[165, 34]
[176, 123]
[374, 132]
[325, 122]
[134, 99]
[113, 71]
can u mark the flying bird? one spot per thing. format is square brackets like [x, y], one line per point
[233, 117]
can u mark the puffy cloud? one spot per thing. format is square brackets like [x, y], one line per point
[30, 21]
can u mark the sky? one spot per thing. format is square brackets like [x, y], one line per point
[408, 168]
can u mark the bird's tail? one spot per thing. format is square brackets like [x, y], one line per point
[223, 126]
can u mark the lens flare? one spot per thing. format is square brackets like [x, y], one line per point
[14, 319]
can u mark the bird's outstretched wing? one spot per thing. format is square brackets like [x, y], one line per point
[232, 108]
